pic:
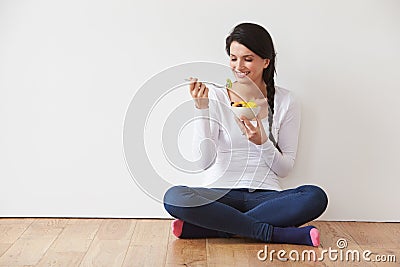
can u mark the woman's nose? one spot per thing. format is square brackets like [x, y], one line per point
[239, 64]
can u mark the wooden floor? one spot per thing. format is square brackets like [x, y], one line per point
[145, 242]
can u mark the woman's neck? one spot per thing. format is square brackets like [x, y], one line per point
[262, 87]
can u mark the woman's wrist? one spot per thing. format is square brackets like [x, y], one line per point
[201, 103]
[201, 106]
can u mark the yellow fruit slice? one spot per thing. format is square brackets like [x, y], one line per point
[251, 104]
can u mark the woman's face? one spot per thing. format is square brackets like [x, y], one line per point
[246, 64]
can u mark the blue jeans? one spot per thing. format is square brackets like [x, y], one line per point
[240, 212]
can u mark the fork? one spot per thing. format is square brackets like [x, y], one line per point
[212, 83]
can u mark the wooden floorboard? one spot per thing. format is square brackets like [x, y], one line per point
[189, 252]
[149, 242]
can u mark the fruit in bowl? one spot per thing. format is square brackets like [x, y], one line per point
[247, 109]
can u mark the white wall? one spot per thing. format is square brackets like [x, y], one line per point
[69, 69]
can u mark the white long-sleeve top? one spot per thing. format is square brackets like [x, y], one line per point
[231, 160]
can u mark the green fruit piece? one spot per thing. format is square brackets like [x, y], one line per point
[228, 83]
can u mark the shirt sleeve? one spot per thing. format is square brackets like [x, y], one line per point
[205, 137]
[283, 163]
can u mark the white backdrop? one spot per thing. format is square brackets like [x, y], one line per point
[69, 69]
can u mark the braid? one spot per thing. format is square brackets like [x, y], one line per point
[271, 94]
[268, 77]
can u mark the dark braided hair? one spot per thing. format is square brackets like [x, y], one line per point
[258, 40]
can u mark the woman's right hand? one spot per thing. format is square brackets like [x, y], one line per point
[199, 93]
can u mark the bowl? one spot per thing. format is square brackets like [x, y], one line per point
[249, 113]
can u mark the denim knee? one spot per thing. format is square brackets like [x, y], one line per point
[317, 197]
[172, 197]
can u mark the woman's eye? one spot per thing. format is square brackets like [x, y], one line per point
[233, 59]
[249, 60]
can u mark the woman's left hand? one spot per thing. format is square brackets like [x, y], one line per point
[255, 134]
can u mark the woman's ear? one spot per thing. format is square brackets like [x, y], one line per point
[266, 63]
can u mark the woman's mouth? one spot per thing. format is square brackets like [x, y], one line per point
[241, 74]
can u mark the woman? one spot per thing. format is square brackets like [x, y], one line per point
[247, 199]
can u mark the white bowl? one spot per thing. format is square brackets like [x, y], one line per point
[249, 113]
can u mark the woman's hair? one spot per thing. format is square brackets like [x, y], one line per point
[258, 40]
